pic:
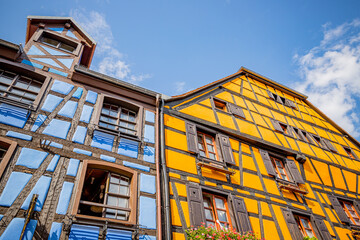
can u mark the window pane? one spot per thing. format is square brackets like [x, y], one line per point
[220, 203]
[209, 140]
[202, 154]
[124, 190]
[114, 188]
[212, 156]
[124, 181]
[66, 47]
[114, 179]
[22, 84]
[222, 216]
[123, 202]
[112, 201]
[35, 87]
[50, 41]
[6, 79]
[208, 214]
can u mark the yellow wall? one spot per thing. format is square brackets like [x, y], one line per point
[325, 172]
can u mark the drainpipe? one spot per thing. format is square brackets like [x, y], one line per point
[165, 176]
[158, 184]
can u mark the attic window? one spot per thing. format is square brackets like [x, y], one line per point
[220, 105]
[57, 44]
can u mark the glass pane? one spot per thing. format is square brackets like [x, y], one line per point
[114, 188]
[18, 92]
[220, 203]
[123, 202]
[113, 112]
[124, 190]
[66, 47]
[30, 95]
[210, 148]
[114, 179]
[202, 154]
[35, 87]
[6, 80]
[208, 214]
[109, 215]
[3, 88]
[50, 41]
[122, 215]
[212, 156]
[131, 126]
[209, 140]
[305, 223]
[309, 233]
[132, 117]
[207, 203]
[208, 223]
[222, 216]
[112, 201]
[22, 84]
[124, 181]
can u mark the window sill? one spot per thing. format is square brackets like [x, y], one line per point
[214, 167]
[93, 218]
[117, 133]
[291, 187]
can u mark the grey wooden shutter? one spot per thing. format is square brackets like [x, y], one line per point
[267, 162]
[290, 131]
[323, 143]
[294, 171]
[353, 153]
[191, 136]
[236, 110]
[308, 137]
[271, 95]
[324, 232]
[292, 104]
[276, 125]
[278, 99]
[357, 206]
[241, 215]
[292, 224]
[196, 206]
[287, 102]
[301, 135]
[329, 145]
[338, 209]
[226, 149]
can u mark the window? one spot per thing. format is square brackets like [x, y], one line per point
[281, 100]
[207, 146]
[213, 209]
[350, 152]
[281, 127]
[216, 211]
[220, 105]
[304, 226]
[324, 143]
[19, 88]
[58, 42]
[7, 147]
[350, 212]
[280, 169]
[119, 116]
[107, 191]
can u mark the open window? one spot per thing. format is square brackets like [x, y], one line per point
[350, 153]
[228, 107]
[281, 127]
[215, 209]
[324, 143]
[305, 225]
[106, 191]
[207, 143]
[7, 148]
[220, 105]
[281, 100]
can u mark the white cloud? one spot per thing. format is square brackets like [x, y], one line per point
[110, 60]
[331, 73]
[180, 87]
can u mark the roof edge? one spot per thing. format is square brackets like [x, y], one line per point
[243, 70]
[30, 17]
[10, 45]
[86, 71]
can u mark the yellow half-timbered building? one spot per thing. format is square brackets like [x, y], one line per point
[248, 152]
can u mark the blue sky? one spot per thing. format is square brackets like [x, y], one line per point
[175, 46]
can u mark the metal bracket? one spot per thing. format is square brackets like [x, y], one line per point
[68, 221]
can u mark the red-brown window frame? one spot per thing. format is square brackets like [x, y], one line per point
[220, 105]
[342, 202]
[11, 147]
[115, 168]
[213, 210]
[205, 145]
[349, 152]
[303, 228]
[280, 175]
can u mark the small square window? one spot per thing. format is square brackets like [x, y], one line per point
[58, 43]
[349, 152]
[220, 105]
[279, 166]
